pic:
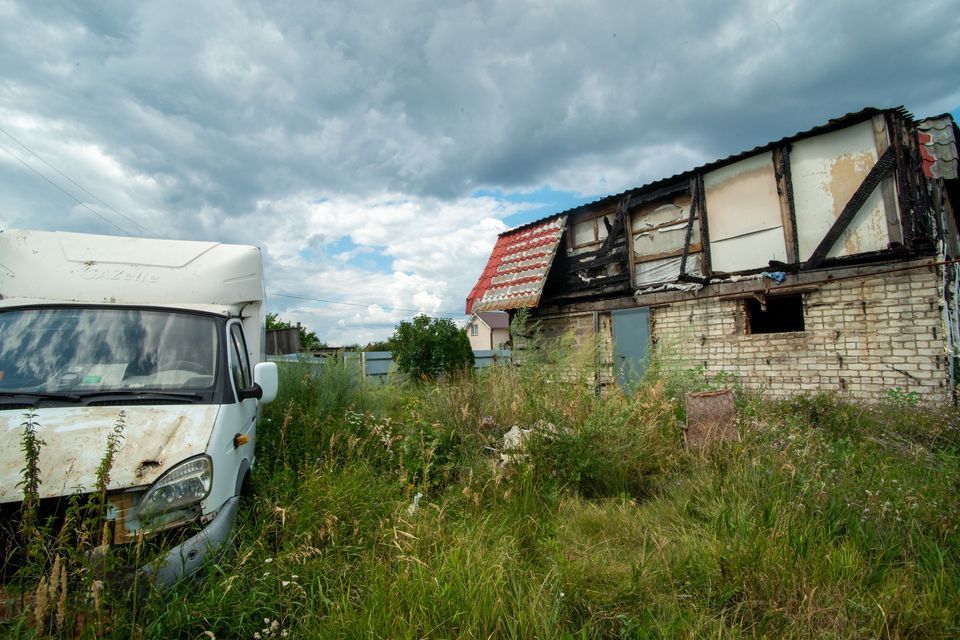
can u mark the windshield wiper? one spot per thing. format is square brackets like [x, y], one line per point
[38, 395]
[144, 394]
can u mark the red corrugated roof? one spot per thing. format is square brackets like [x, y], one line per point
[517, 268]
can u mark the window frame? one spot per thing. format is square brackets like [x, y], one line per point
[238, 351]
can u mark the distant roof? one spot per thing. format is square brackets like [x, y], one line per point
[495, 319]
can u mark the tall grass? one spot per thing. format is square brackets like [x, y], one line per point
[385, 512]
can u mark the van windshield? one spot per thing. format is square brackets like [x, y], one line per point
[81, 350]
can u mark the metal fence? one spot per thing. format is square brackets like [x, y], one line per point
[377, 366]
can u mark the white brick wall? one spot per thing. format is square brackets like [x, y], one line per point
[861, 337]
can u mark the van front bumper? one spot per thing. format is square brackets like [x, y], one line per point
[209, 545]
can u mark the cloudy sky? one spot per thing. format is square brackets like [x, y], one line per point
[374, 150]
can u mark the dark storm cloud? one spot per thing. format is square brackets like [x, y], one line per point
[236, 120]
[237, 101]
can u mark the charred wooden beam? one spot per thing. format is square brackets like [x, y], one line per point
[690, 221]
[587, 255]
[614, 230]
[686, 277]
[601, 284]
[706, 265]
[649, 196]
[613, 258]
[788, 205]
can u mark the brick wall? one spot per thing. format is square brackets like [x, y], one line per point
[861, 336]
[580, 327]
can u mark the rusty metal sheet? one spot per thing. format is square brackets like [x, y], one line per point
[742, 206]
[517, 268]
[826, 170]
[75, 438]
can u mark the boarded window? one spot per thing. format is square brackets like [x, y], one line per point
[590, 232]
[776, 314]
[659, 233]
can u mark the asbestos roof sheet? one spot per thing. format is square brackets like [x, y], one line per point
[518, 267]
[938, 147]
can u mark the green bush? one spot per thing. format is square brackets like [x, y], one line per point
[428, 347]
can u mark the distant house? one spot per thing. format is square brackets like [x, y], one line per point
[829, 259]
[488, 330]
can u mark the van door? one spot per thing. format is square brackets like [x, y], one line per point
[244, 412]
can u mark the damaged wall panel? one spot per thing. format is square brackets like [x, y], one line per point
[659, 233]
[665, 270]
[827, 170]
[744, 215]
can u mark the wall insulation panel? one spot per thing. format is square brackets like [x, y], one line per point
[744, 216]
[826, 171]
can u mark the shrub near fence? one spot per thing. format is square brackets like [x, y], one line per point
[376, 366]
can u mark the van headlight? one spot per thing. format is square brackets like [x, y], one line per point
[185, 484]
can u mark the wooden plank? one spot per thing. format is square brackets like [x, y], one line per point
[663, 225]
[614, 257]
[718, 289]
[694, 211]
[599, 283]
[617, 228]
[680, 186]
[781, 164]
[706, 267]
[849, 212]
[628, 236]
[771, 293]
[888, 189]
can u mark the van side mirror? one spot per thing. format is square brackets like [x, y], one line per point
[266, 378]
[256, 391]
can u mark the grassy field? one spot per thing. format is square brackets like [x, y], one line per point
[828, 519]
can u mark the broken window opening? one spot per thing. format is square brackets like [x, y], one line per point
[774, 314]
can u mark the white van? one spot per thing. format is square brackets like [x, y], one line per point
[169, 333]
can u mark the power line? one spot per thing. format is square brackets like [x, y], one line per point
[359, 304]
[74, 182]
[65, 192]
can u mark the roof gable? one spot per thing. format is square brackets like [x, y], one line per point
[517, 268]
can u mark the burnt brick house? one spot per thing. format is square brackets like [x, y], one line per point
[824, 260]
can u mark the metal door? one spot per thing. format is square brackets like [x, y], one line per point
[631, 344]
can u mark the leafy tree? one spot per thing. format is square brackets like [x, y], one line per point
[308, 339]
[382, 345]
[428, 347]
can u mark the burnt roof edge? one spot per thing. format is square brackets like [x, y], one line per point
[833, 124]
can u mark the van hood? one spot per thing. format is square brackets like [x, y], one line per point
[75, 438]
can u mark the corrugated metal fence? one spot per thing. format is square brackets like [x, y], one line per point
[376, 366]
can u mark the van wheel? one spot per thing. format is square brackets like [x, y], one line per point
[246, 490]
